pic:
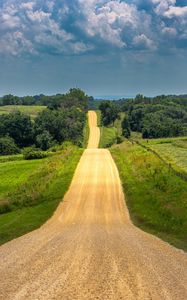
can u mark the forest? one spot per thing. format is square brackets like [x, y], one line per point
[161, 116]
[62, 120]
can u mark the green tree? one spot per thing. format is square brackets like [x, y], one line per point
[44, 140]
[18, 126]
[126, 132]
[61, 124]
[11, 100]
[109, 112]
[8, 146]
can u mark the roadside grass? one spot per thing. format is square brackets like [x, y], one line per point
[26, 109]
[86, 133]
[117, 123]
[155, 196]
[108, 136]
[33, 201]
[98, 112]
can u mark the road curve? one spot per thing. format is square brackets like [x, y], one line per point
[90, 249]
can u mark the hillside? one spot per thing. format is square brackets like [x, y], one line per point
[32, 111]
[91, 239]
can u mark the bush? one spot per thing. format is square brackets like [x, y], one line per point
[119, 139]
[33, 153]
[44, 140]
[8, 146]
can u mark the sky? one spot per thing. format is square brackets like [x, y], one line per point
[106, 47]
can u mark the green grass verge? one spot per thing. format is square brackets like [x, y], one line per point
[86, 133]
[34, 201]
[98, 112]
[26, 109]
[117, 123]
[108, 137]
[155, 196]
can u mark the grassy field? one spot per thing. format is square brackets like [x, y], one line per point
[172, 150]
[14, 173]
[29, 200]
[155, 196]
[108, 136]
[29, 110]
[8, 158]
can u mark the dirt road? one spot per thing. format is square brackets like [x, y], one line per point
[90, 249]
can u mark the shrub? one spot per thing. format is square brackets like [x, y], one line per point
[119, 139]
[8, 146]
[33, 153]
[44, 140]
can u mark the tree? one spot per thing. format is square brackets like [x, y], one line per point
[44, 140]
[109, 112]
[8, 146]
[18, 126]
[126, 132]
[62, 124]
[11, 100]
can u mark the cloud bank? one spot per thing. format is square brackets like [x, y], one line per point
[76, 27]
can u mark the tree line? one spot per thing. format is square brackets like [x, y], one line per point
[161, 116]
[54, 101]
[61, 121]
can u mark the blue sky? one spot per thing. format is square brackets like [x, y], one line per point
[105, 47]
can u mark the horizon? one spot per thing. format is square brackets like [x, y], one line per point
[99, 97]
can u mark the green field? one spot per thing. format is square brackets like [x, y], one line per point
[28, 110]
[14, 173]
[172, 150]
[8, 158]
[155, 196]
[30, 191]
[108, 136]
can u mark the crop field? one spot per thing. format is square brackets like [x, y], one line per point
[155, 196]
[29, 110]
[173, 151]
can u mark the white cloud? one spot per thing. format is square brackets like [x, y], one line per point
[15, 43]
[144, 42]
[175, 11]
[84, 25]
[169, 31]
[28, 5]
[111, 20]
[9, 22]
[163, 5]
